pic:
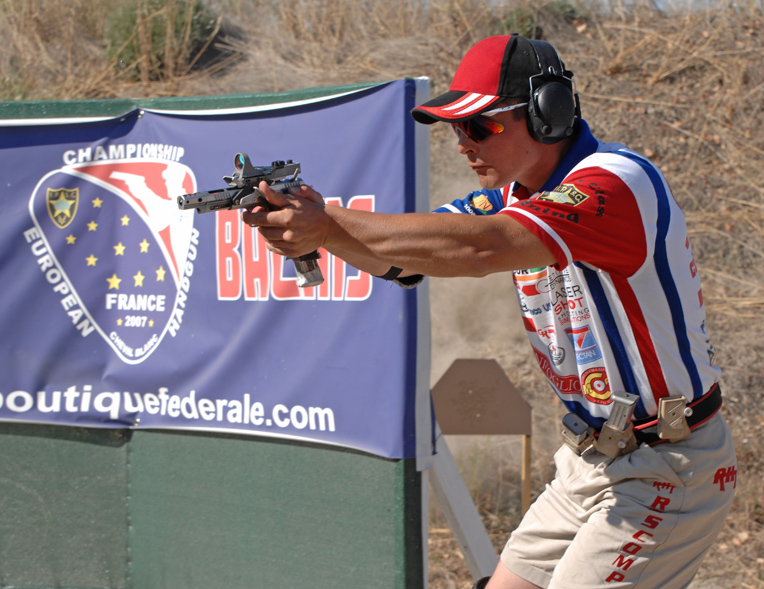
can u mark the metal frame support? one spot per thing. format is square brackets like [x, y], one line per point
[460, 511]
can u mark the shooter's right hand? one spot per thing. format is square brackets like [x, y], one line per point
[298, 226]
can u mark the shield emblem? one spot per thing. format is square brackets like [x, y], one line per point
[62, 205]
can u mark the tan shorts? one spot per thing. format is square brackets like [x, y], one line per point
[643, 520]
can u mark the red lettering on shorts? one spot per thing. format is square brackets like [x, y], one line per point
[652, 521]
[726, 475]
[624, 560]
[667, 486]
[638, 535]
[660, 503]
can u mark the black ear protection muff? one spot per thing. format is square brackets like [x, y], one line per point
[553, 104]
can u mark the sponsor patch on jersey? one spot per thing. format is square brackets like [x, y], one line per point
[481, 204]
[584, 343]
[564, 194]
[594, 383]
[557, 355]
[563, 384]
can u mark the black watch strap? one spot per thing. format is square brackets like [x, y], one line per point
[391, 274]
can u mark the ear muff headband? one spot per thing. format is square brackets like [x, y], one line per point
[553, 104]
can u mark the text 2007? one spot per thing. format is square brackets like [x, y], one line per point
[135, 321]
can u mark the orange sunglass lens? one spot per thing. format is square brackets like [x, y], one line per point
[478, 128]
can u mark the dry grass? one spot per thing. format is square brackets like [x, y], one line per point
[686, 89]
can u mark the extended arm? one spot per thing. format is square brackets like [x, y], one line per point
[422, 243]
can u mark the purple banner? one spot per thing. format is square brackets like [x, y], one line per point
[120, 310]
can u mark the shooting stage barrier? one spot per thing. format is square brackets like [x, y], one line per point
[174, 411]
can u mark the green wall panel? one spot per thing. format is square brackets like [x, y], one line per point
[104, 508]
[62, 507]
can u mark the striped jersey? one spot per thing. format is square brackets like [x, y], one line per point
[622, 309]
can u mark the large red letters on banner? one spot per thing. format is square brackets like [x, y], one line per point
[245, 268]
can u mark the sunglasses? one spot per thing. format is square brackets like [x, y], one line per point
[481, 127]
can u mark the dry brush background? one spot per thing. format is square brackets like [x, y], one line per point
[684, 87]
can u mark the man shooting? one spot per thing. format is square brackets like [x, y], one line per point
[611, 302]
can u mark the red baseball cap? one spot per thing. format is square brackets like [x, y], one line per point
[494, 68]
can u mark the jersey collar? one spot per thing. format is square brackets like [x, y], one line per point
[584, 144]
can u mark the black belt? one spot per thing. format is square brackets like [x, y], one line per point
[646, 430]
